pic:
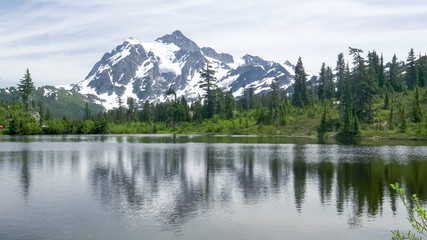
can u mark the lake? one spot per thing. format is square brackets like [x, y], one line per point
[204, 187]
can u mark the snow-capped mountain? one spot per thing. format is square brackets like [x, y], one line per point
[145, 70]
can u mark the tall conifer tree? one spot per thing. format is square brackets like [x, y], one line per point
[411, 71]
[207, 83]
[300, 96]
[26, 87]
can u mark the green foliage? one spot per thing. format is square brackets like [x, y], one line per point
[54, 126]
[417, 217]
[87, 126]
[23, 123]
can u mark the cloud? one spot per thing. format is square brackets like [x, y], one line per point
[61, 40]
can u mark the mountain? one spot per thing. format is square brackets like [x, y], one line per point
[145, 70]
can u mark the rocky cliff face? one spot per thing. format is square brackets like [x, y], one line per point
[145, 70]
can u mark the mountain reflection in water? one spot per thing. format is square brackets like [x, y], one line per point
[168, 185]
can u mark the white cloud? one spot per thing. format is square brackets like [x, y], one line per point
[60, 41]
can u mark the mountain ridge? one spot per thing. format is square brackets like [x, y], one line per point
[145, 70]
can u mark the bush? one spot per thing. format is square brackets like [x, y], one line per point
[417, 217]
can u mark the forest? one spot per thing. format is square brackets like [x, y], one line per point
[366, 98]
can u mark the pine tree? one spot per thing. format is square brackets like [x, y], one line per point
[356, 129]
[381, 74]
[274, 98]
[386, 100]
[417, 114]
[329, 83]
[171, 91]
[197, 111]
[252, 99]
[147, 112]
[390, 117]
[87, 115]
[207, 83]
[25, 87]
[347, 106]
[363, 85]
[131, 112]
[219, 102]
[422, 71]
[374, 67]
[411, 71]
[323, 128]
[229, 105]
[300, 96]
[322, 79]
[184, 110]
[340, 74]
[394, 75]
[403, 123]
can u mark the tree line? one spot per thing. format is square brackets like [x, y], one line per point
[345, 100]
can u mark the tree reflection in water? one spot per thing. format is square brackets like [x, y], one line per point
[179, 181]
[176, 182]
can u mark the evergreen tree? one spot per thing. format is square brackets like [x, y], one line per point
[131, 112]
[381, 74]
[87, 115]
[252, 98]
[356, 130]
[300, 96]
[26, 87]
[229, 105]
[323, 128]
[184, 110]
[322, 79]
[403, 124]
[386, 100]
[120, 112]
[197, 111]
[147, 112]
[417, 114]
[274, 95]
[411, 71]
[207, 83]
[346, 102]
[219, 102]
[171, 91]
[363, 85]
[422, 71]
[394, 75]
[374, 67]
[340, 69]
[390, 117]
[329, 83]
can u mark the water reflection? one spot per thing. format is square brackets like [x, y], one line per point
[174, 183]
[181, 180]
[25, 175]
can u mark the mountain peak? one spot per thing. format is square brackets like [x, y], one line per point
[180, 40]
[143, 70]
[132, 41]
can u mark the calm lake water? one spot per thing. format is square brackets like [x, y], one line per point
[204, 187]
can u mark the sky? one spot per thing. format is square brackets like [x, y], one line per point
[60, 40]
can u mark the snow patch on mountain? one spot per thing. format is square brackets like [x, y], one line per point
[145, 70]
